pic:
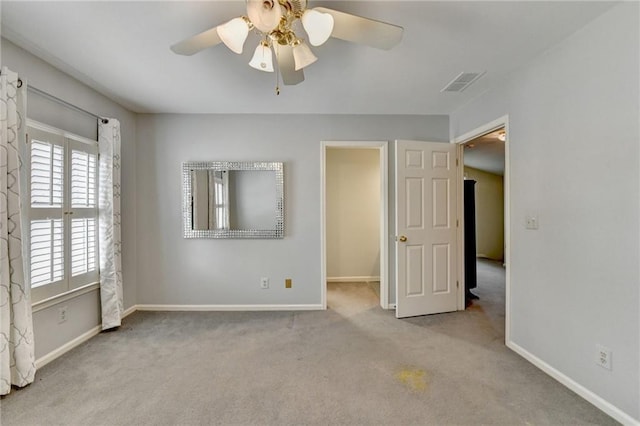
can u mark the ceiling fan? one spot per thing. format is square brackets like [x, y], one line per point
[277, 22]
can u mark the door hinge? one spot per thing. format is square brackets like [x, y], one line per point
[457, 284]
[456, 162]
[457, 223]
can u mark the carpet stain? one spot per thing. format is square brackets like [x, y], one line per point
[414, 379]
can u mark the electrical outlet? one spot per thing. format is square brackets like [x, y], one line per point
[264, 282]
[288, 283]
[603, 357]
[531, 222]
[62, 314]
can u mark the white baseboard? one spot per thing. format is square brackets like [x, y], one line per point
[352, 279]
[129, 311]
[46, 359]
[185, 308]
[391, 306]
[585, 393]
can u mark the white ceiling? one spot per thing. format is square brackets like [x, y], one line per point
[486, 153]
[122, 50]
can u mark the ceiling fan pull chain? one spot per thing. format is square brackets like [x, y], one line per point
[275, 48]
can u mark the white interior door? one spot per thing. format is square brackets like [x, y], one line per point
[426, 251]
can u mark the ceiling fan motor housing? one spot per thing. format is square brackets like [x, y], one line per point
[275, 18]
[294, 6]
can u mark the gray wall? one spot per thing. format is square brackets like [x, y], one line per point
[489, 197]
[175, 271]
[84, 311]
[573, 134]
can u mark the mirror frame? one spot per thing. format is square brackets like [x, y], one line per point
[187, 219]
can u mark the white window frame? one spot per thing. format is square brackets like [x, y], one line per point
[68, 284]
[219, 199]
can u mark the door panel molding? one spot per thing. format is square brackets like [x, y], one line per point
[426, 235]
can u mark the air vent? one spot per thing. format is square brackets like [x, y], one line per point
[462, 81]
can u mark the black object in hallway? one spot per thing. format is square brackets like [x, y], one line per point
[470, 272]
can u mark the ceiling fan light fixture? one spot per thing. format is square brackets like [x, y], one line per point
[279, 24]
[234, 33]
[502, 136]
[262, 58]
[302, 55]
[318, 26]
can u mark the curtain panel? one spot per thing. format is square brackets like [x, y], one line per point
[17, 354]
[109, 223]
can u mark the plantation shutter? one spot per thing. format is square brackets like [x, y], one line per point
[83, 212]
[46, 189]
[63, 185]
[47, 163]
[83, 195]
[47, 257]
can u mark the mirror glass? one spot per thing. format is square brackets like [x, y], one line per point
[225, 199]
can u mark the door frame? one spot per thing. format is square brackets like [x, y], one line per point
[502, 122]
[383, 148]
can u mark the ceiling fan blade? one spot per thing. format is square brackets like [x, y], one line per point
[197, 43]
[286, 64]
[363, 30]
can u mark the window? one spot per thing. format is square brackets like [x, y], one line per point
[63, 213]
[219, 200]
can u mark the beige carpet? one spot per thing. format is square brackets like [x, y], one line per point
[352, 364]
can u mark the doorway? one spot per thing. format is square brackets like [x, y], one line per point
[354, 223]
[484, 155]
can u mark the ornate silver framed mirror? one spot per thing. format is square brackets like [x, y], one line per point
[233, 199]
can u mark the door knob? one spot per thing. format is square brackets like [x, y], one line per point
[402, 238]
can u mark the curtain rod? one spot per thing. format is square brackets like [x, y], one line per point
[62, 101]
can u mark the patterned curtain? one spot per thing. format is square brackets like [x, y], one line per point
[109, 223]
[17, 356]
